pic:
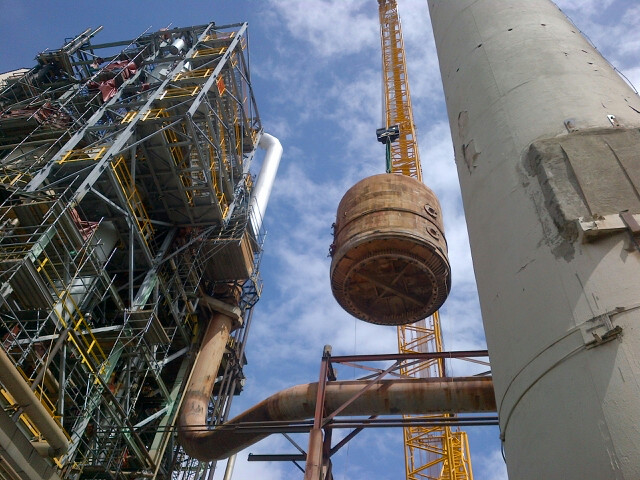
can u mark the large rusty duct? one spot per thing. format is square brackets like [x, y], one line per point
[348, 398]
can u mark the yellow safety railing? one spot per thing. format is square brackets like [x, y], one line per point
[129, 116]
[27, 421]
[151, 114]
[49, 404]
[233, 61]
[179, 160]
[155, 113]
[13, 178]
[199, 73]
[134, 202]
[84, 154]
[177, 92]
[219, 36]
[209, 52]
[23, 418]
[221, 197]
[68, 314]
[14, 252]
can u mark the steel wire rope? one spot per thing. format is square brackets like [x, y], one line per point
[629, 82]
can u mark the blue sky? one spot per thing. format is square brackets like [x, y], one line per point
[316, 76]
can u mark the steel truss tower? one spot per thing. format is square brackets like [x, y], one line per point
[438, 452]
[431, 452]
[125, 187]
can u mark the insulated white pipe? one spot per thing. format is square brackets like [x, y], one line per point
[32, 407]
[266, 177]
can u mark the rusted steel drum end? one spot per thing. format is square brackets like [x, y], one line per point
[389, 257]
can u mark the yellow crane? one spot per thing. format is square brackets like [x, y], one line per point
[438, 452]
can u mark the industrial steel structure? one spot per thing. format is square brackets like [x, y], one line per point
[129, 217]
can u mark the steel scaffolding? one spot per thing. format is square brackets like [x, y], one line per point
[124, 199]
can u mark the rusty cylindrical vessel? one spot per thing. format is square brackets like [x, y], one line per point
[389, 256]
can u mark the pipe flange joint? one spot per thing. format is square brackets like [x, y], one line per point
[218, 306]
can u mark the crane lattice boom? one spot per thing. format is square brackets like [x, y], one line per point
[405, 158]
[430, 452]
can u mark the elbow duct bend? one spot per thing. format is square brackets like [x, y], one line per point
[193, 415]
[266, 178]
[385, 397]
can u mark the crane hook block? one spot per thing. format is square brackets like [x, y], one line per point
[388, 135]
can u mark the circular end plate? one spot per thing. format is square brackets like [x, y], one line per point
[391, 289]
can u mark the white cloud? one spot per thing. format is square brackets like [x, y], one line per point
[329, 27]
[612, 26]
[587, 8]
[490, 466]
[422, 60]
